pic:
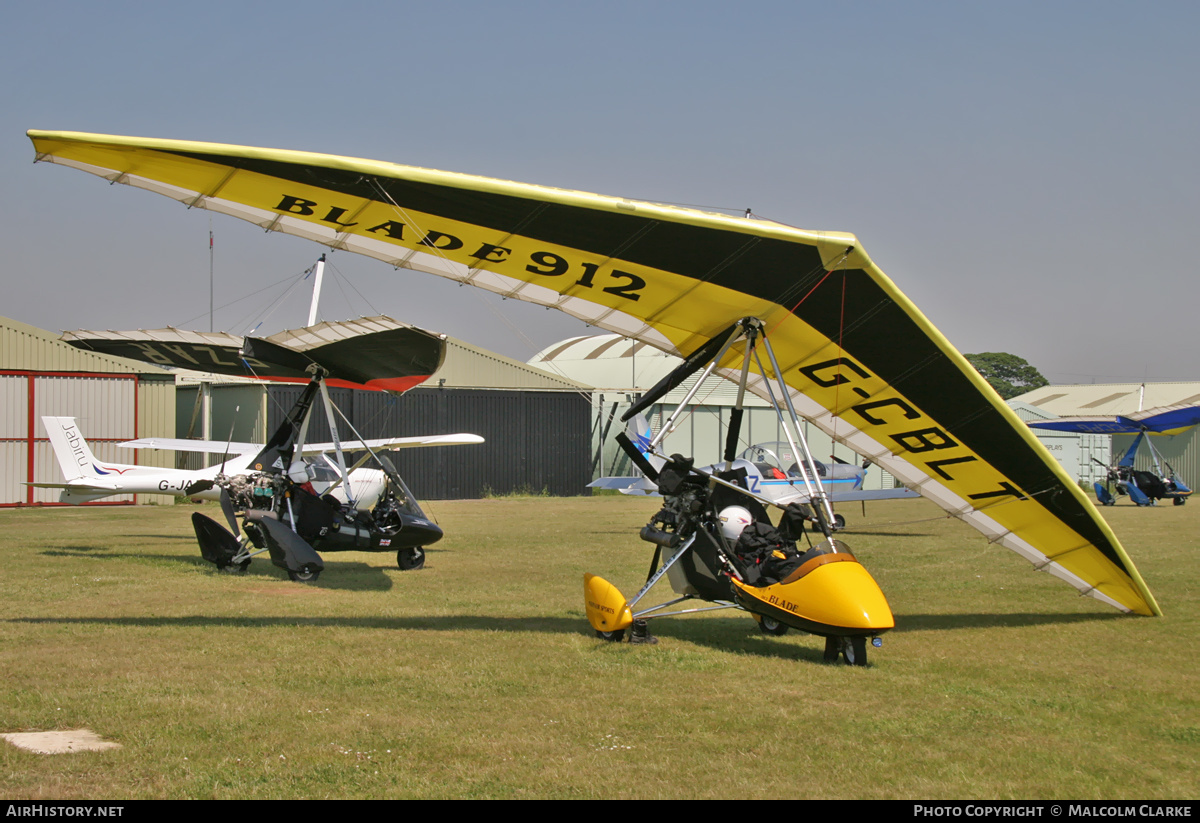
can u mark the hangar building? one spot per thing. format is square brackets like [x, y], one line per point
[535, 424]
[112, 398]
[1077, 452]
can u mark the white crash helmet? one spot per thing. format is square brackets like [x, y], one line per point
[300, 472]
[733, 520]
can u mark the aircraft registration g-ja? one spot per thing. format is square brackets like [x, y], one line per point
[846, 350]
[290, 506]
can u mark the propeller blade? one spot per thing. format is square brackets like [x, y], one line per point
[225, 457]
[227, 507]
[197, 487]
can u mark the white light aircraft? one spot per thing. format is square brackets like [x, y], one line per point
[88, 478]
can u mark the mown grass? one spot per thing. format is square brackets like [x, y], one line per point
[479, 677]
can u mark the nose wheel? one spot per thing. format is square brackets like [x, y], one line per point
[410, 559]
[851, 649]
[306, 574]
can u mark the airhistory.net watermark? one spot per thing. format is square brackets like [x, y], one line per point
[61, 810]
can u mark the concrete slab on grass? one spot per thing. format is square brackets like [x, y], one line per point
[63, 742]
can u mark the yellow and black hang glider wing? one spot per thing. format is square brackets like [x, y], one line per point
[862, 362]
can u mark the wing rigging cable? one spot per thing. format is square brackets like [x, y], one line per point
[859, 359]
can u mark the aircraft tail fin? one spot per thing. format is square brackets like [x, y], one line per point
[75, 458]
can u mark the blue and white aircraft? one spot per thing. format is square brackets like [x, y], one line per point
[773, 471]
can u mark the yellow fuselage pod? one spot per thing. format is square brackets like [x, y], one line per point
[829, 595]
[607, 610]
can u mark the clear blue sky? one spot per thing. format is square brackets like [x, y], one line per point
[1025, 172]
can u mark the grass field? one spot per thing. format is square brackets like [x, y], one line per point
[478, 677]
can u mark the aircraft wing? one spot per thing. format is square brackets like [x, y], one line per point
[860, 360]
[1161, 420]
[625, 485]
[376, 353]
[222, 447]
[397, 443]
[182, 445]
[852, 496]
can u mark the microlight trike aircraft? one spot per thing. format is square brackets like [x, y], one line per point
[714, 541]
[853, 356]
[284, 512]
[1142, 487]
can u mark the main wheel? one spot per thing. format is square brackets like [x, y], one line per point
[839, 522]
[307, 574]
[410, 559]
[769, 625]
[612, 637]
[235, 568]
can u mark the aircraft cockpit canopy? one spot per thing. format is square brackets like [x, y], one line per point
[777, 459]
